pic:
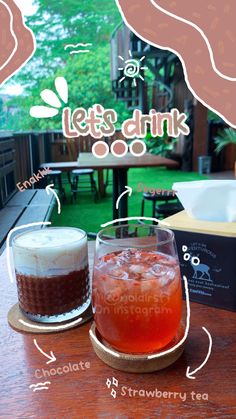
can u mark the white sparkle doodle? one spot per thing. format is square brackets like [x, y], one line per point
[40, 386]
[110, 383]
[132, 68]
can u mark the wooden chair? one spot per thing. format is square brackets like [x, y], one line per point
[55, 177]
[75, 146]
[170, 207]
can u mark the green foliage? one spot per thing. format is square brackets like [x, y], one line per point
[8, 118]
[61, 22]
[226, 137]
[160, 145]
[56, 24]
[88, 77]
[2, 114]
[213, 117]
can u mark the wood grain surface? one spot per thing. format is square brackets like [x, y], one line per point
[83, 394]
[86, 160]
[89, 161]
[181, 221]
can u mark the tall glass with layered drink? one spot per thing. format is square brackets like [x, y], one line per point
[52, 273]
[137, 293]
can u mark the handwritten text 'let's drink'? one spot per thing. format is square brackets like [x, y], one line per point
[100, 122]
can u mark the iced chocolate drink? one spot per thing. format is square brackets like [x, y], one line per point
[52, 273]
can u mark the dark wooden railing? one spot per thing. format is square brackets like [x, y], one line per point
[22, 153]
[7, 168]
[20, 156]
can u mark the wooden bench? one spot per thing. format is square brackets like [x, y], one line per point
[26, 207]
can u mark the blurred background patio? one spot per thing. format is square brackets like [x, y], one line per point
[95, 77]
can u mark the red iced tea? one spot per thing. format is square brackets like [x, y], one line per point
[137, 299]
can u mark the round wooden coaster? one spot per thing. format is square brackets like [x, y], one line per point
[19, 322]
[137, 363]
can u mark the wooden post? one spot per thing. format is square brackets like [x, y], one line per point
[101, 186]
[200, 135]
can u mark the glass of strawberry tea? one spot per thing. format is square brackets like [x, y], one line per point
[137, 293]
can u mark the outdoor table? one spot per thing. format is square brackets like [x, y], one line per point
[84, 394]
[120, 168]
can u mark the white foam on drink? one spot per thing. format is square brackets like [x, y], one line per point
[50, 251]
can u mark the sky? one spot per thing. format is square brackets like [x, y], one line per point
[27, 9]
[26, 6]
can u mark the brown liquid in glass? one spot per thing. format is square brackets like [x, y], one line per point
[53, 295]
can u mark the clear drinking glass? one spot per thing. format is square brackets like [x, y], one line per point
[137, 292]
[52, 273]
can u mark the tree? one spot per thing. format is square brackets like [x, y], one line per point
[61, 22]
[56, 24]
[89, 83]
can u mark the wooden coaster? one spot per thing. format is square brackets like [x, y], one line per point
[19, 322]
[137, 363]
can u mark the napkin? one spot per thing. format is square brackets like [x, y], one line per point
[209, 200]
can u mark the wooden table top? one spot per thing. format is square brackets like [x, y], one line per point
[89, 161]
[66, 166]
[83, 394]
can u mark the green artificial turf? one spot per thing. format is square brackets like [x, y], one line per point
[87, 215]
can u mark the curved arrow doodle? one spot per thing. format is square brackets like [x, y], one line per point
[49, 189]
[51, 357]
[129, 190]
[190, 374]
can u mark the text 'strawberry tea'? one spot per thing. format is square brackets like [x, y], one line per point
[137, 293]
[52, 273]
